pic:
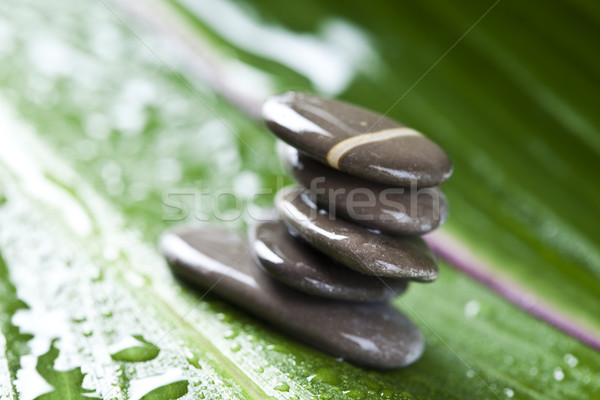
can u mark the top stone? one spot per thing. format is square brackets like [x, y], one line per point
[356, 141]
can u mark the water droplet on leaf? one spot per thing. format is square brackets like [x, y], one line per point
[283, 387]
[472, 308]
[558, 374]
[571, 360]
[134, 349]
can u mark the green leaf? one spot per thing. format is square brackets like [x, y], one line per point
[106, 139]
[15, 341]
[171, 391]
[67, 384]
[138, 349]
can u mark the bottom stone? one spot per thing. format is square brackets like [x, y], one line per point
[374, 335]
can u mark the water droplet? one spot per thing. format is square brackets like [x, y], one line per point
[246, 184]
[230, 334]
[470, 373]
[194, 359]
[134, 349]
[508, 392]
[533, 371]
[224, 317]
[171, 385]
[355, 393]
[283, 387]
[558, 374]
[236, 347]
[571, 360]
[472, 308]
[327, 375]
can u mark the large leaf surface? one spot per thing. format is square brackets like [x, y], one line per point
[96, 128]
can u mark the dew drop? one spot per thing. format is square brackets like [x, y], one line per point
[472, 308]
[327, 375]
[571, 360]
[558, 374]
[508, 392]
[134, 349]
[170, 385]
[194, 360]
[283, 387]
[355, 393]
[236, 347]
[246, 184]
[470, 373]
[230, 334]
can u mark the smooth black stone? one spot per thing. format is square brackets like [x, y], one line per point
[396, 211]
[292, 261]
[357, 141]
[355, 246]
[375, 335]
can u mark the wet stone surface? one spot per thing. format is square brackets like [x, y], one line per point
[397, 211]
[375, 335]
[292, 261]
[356, 141]
[353, 245]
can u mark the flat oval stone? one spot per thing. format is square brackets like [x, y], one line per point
[357, 141]
[396, 211]
[355, 246]
[292, 261]
[375, 335]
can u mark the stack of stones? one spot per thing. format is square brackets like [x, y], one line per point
[347, 240]
[368, 190]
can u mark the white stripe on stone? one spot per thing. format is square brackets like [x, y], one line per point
[337, 152]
